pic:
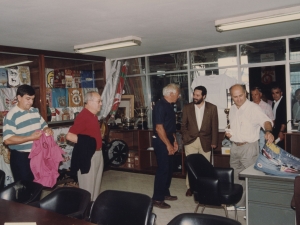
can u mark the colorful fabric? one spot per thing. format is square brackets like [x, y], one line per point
[49, 73]
[24, 75]
[75, 97]
[59, 97]
[45, 157]
[59, 79]
[8, 98]
[3, 78]
[87, 79]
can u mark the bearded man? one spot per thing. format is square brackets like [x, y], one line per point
[199, 127]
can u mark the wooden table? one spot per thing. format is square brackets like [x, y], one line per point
[17, 212]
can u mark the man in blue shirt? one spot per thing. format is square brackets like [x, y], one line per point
[165, 145]
[21, 126]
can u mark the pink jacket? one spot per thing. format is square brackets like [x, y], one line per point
[45, 157]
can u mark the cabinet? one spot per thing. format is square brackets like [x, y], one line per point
[39, 60]
[138, 142]
[292, 143]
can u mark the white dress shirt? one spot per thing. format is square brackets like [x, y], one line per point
[246, 122]
[275, 106]
[199, 114]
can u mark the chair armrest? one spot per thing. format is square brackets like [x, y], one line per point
[225, 175]
[206, 184]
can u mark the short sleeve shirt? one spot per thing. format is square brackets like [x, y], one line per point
[163, 113]
[87, 123]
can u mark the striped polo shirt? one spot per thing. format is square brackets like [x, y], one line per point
[21, 122]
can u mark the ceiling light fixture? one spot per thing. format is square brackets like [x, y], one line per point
[108, 44]
[258, 19]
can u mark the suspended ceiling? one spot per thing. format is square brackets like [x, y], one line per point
[163, 25]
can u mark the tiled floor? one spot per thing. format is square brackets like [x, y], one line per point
[142, 183]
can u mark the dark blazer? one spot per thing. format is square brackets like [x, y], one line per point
[208, 133]
[280, 117]
[83, 152]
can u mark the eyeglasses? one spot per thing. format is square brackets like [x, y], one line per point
[98, 101]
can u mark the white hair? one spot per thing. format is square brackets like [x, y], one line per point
[171, 88]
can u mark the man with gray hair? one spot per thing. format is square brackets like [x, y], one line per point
[165, 145]
[86, 135]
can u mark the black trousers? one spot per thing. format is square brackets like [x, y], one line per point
[20, 165]
[164, 171]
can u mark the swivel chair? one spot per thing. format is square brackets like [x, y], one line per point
[22, 191]
[120, 207]
[201, 219]
[68, 201]
[211, 186]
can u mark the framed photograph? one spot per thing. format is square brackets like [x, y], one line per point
[127, 102]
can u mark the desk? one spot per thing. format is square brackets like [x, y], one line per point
[268, 198]
[17, 212]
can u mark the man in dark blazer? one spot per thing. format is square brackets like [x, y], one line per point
[279, 111]
[199, 127]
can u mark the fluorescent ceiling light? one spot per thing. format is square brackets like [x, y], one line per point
[258, 19]
[15, 64]
[108, 44]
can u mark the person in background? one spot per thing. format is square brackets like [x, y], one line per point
[246, 118]
[296, 106]
[86, 123]
[256, 95]
[165, 145]
[199, 127]
[279, 110]
[21, 126]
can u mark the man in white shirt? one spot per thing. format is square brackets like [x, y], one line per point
[246, 118]
[256, 95]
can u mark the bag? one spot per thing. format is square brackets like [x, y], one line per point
[273, 160]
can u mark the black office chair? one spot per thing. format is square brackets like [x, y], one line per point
[2, 179]
[201, 219]
[22, 191]
[69, 201]
[120, 207]
[211, 186]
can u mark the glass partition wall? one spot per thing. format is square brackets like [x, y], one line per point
[261, 63]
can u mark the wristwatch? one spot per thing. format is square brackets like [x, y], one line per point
[268, 131]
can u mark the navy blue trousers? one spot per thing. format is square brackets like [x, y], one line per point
[164, 171]
[20, 166]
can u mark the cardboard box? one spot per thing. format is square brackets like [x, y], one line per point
[225, 150]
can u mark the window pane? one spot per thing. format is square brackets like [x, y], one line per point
[268, 51]
[294, 48]
[295, 87]
[214, 57]
[158, 82]
[168, 62]
[217, 89]
[135, 65]
[137, 86]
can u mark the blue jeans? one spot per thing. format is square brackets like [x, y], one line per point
[164, 171]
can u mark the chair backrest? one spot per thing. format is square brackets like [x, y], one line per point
[2, 179]
[201, 174]
[120, 207]
[22, 191]
[201, 219]
[67, 201]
